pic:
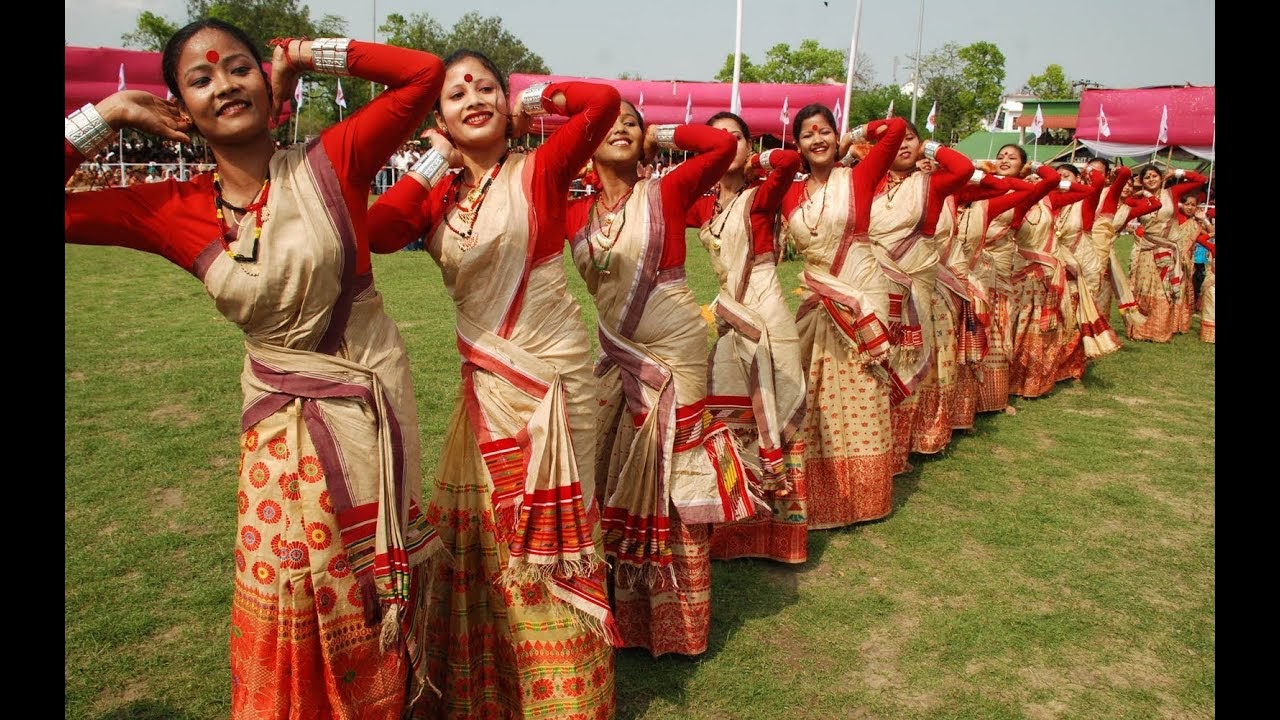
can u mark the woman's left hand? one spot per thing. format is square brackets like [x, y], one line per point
[284, 76]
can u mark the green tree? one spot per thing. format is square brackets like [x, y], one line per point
[808, 64]
[870, 104]
[748, 72]
[151, 33]
[966, 83]
[488, 35]
[1052, 84]
[419, 31]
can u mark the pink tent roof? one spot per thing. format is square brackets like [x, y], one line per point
[666, 101]
[1134, 115]
[94, 73]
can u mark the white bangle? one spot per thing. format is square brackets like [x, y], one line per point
[763, 159]
[87, 131]
[531, 99]
[1179, 173]
[329, 56]
[850, 158]
[976, 178]
[666, 136]
[931, 148]
[1064, 185]
[431, 166]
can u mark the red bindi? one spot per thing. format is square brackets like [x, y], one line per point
[467, 77]
[211, 56]
[814, 127]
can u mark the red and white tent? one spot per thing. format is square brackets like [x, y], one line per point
[1138, 118]
[672, 101]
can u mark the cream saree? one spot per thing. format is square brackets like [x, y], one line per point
[659, 450]
[844, 344]
[1084, 281]
[1156, 273]
[1115, 284]
[332, 541]
[521, 625]
[755, 387]
[1036, 312]
[1208, 310]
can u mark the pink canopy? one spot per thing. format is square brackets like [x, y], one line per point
[1133, 117]
[671, 101]
[94, 73]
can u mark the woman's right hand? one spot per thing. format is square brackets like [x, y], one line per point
[441, 144]
[140, 110]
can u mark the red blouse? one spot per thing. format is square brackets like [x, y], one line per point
[408, 211]
[680, 187]
[177, 219]
[764, 208]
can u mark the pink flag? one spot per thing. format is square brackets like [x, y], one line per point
[340, 99]
[785, 117]
[1164, 126]
[120, 87]
[297, 96]
[836, 113]
[931, 122]
[688, 110]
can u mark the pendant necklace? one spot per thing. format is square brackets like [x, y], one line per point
[813, 229]
[724, 214]
[257, 208]
[606, 235]
[469, 213]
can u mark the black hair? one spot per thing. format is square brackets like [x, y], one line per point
[1021, 152]
[807, 112]
[178, 42]
[726, 115]
[1075, 171]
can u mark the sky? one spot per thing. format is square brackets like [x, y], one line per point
[1112, 44]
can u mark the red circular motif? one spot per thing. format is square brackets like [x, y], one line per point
[211, 56]
[467, 77]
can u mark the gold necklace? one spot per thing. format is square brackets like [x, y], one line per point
[891, 185]
[724, 214]
[813, 229]
[475, 199]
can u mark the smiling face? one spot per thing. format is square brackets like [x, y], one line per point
[744, 146]
[223, 89]
[1151, 180]
[624, 143]
[472, 105]
[1009, 161]
[909, 153]
[818, 142]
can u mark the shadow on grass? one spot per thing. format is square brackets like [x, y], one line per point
[145, 710]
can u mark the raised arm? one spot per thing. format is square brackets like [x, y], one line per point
[1097, 183]
[952, 170]
[715, 149]
[1112, 199]
[1190, 181]
[781, 166]
[887, 136]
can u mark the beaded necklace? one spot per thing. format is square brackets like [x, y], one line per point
[605, 232]
[813, 229]
[260, 216]
[891, 184]
[475, 199]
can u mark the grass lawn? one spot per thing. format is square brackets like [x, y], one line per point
[1055, 563]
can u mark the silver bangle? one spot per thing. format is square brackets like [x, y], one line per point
[931, 148]
[976, 179]
[666, 135]
[87, 131]
[764, 160]
[1179, 173]
[1064, 185]
[432, 166]
[531, 99]
[858, 134]
[329, 56]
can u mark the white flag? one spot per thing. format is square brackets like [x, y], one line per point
[1164, 126]
[931, 122]
[1037, 123]
[1103, 127]
[836, 113]
[297, 96]
[340, 98]
[688, 110]
[120, 87]
[168, 94]
[640, 105]
[785, 117]
[889, 113]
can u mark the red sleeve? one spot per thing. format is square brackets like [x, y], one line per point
[997, 206]
[1203, 240]
[1097, 183]
[1037, 192]
[1142, 206]
[769, 198]
[873, 167]
[362, 143]
[951, 173]
[577, 214]
[72, 159]
[1191, 181]
[990, 186]
[792, 198]
[406, 212]
[1075, 194]
[700, 211]
[715, 149]
[1112, 200]
[592, 109]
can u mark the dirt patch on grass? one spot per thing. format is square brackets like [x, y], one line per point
[1132, 401]
[179, 415]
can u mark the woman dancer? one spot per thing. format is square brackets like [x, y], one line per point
[755, 384]
[1155, 267]
[842, 320]
[904, 219]
[521, 625]
[332, 542]
[665, 471]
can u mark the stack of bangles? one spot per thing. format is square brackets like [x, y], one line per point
[431, 166]
[87, 131]
[856, 135]
[328, 55]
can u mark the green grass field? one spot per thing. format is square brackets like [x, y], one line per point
[1055, 563]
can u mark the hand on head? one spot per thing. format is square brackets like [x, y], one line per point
[284, 76]
[140, 110]
[440, 143]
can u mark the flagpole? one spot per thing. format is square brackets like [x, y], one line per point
[915, 70]
[123, 182]
[853, 56]
[735, 106]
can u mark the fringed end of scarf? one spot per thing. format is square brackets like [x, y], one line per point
[1132, 315]
[389, 632]
[524, 571]
[651, 576]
